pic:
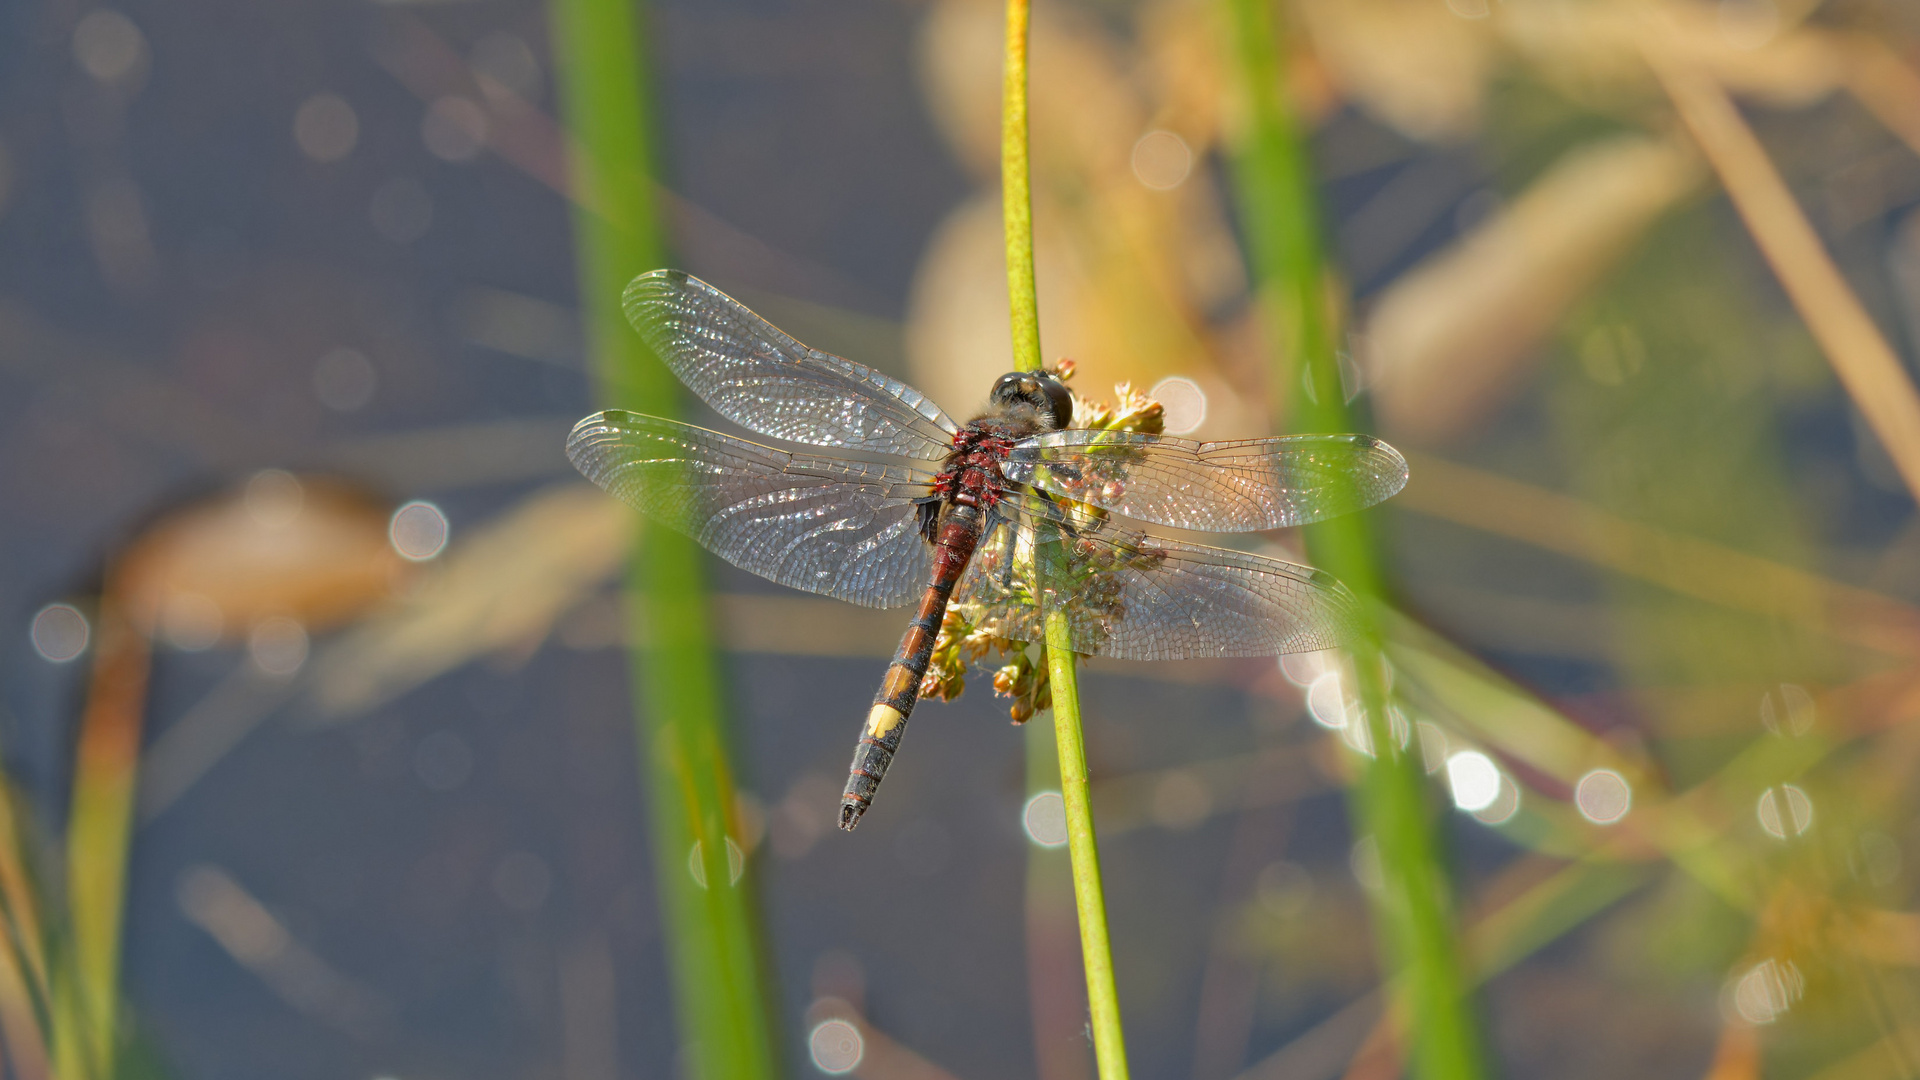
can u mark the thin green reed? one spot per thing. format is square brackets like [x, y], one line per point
[1413, 909]
[707, 901]
[1103, 998]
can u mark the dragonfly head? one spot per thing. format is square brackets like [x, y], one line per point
[1046, 395]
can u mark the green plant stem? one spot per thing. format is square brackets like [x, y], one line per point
[1413, 910]
[1056, 1002]
[99, 839]
[712, 929]
[1016, 194]
[1103, 996]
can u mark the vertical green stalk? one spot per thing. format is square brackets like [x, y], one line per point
[99, 840]
[1054, 996]
[1413, 911]
[1016, 196]
[1103, 997]
[712, 931]
[1016, 193]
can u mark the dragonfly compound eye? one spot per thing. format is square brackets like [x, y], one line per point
[1059, 400]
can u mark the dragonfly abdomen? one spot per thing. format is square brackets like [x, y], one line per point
[900, 690]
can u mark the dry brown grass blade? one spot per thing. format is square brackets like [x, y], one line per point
[19, 900]
[501, 590]
[23, 966]
[23, 1049]
[1866, 364]
[259, 941]
[1687, 565]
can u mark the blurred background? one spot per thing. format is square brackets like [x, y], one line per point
[307, 624]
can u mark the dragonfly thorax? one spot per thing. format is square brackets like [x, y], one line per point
[971, 475]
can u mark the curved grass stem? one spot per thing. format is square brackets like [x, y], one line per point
[1103, 999]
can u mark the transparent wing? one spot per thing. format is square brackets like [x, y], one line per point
[765, 381]
[1136, 596]
[840, 528]
[1214, 486]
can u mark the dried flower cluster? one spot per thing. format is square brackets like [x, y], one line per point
[1003, 627]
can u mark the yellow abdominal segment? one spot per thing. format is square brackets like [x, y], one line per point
[882, 719]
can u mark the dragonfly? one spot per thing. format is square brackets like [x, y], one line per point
[880, 498]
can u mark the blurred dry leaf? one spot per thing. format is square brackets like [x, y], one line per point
[501, 589]
[1126, 270]
[1592, 52]
[1084, 113]
[1413, 64]
[1447, 341]
[957, 336]
[308, 548]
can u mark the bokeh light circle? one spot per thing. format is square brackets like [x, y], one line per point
[454, 129]
[60, 633]
[344, 380]
[1766, 991]
[1162, 160]
[1603, 796]
[836, 1047]
[1784, 811]
[277, 645]
[325, 127]
[1045, 819]
[1327, 701]
[107, 45]
[1183, 403]
[1474, 779]
[418, 531]
[1505, 804]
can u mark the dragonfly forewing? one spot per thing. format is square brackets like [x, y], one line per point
[839, 527]
[1133, 595]
[1240, 486]
[762, 379]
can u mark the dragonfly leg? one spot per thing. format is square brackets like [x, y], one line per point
[928, 510]
[1006, 554]
[1059, 515]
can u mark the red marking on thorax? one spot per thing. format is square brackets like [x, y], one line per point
[971, 475]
